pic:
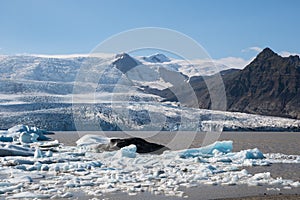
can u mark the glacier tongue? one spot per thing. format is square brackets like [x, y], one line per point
[42, 91]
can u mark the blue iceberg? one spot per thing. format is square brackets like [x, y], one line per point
[23, 134]
[219, 146]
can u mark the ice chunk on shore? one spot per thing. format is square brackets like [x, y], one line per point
[4, 138]
[21, 179]
[38, 153]
[92, 139]
[23, 134]
[128, 152]
[220, 146]
[126, 170]
[29, 195]
[10, 188]
[93, 143]
[26, 137]
[250, 154]
[14, 150]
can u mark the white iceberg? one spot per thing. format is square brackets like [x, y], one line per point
[250, 154]
[14, 150]
[23, 134]
[68, 169]
[128, 152]
[38, 153]
[29, 195]
[87, 140]
[26, 137]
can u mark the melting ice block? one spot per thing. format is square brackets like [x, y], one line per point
[220, 146]
[250, 154]
[26, 137]
[38, 153]
[129, 151]
[23, 134]
[14, 150]
[94, 143]
[87, 140]
[29, 195]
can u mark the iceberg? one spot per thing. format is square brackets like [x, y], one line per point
[250, 154]
[87, 140]
[29, 195]
[128, 152]
[219, 146]
[94, 143]
[14, 150]
[23, 134]
[38, 153]
[123, 168]
[26, 137]
[4, 138]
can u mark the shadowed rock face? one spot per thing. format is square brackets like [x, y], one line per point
[142, 145]
[124, 62]
[269, 85]
[157, 58]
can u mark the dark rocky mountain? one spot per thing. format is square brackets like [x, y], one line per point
[125, 62]
[269, 85]
[157, 58]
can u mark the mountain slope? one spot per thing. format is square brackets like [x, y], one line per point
[113, 92]
[269, 85]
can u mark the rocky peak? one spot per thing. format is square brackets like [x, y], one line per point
[124, 62]
[122, 55]
[157, 58]
[294, 59]
[266, 54]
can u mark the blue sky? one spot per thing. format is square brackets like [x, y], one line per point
[225, 28]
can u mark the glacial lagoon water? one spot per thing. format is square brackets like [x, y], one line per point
[70, 173]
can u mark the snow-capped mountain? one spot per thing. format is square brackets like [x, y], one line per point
[156, 58]
[111, 91]
[65, 69]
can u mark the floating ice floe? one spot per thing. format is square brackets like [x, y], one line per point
[62, 172]
[23, 134]
[222, 147]
[7, 149]
[15, 141]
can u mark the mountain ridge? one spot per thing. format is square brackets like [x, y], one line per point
[269, 85]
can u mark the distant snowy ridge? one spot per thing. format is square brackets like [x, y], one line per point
[63, 68]
[157, 58]
[41, 91]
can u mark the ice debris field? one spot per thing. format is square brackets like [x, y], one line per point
[31, 167]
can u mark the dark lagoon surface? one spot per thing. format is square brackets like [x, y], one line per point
[268, 142]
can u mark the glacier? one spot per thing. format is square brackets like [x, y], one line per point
[39, 91]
